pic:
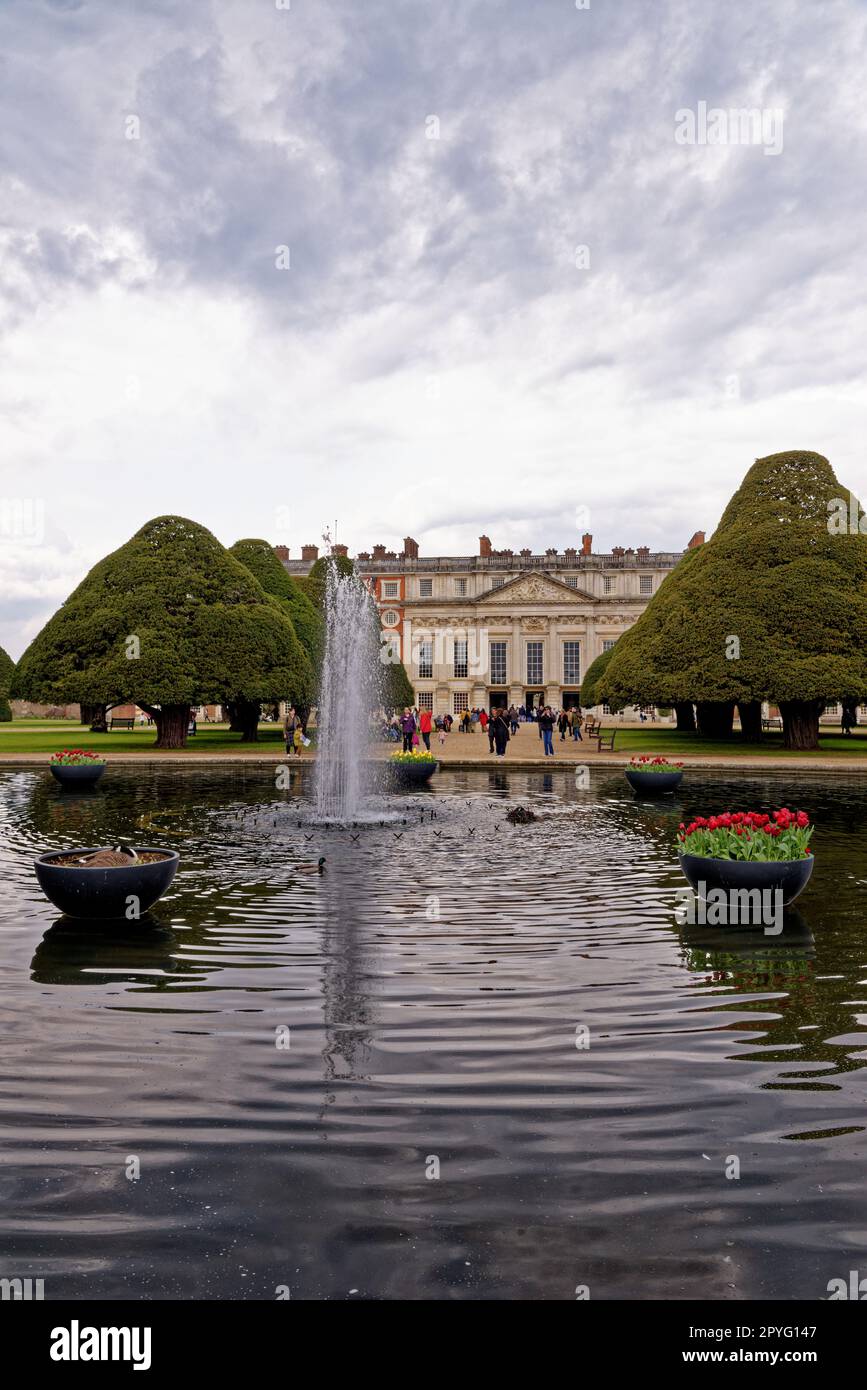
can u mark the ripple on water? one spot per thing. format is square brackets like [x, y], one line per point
[285, 1052]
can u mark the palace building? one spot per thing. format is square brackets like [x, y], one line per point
[502, 627]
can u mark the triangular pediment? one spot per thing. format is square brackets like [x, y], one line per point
[536, 588]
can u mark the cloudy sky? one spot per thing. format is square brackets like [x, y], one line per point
[434, 267]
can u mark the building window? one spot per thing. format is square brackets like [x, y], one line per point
[425, 588]
[606, 709]
[497, 583]
[391, 588]
[534, 663]
[424, 699]
[645, 583]
[461, 588]
[390, 618]
[572, 581]
[425, 660]
[608, 643]
[460, 701]
[832, 709]
[608, 583]
[498, 663]
[460, 658]
[572, 663]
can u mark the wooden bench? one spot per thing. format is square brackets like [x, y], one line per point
[768, 724]
[121, 723]
[604, 742]
[591, 727]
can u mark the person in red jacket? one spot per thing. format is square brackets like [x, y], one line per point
[425, 721]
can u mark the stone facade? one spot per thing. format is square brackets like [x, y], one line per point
[502, 627]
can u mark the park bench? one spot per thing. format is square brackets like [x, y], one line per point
[120, 723]
[768, 724]
[591, 727]
[604, 742]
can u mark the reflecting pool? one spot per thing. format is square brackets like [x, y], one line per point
[469, 1060]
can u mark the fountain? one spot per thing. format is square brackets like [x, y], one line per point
[347, 695]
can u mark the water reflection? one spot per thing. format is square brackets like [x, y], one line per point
[80, 952]
[432, 981]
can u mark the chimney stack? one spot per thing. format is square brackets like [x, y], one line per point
[643, 553]
[586, 543]
[379, 552]
[340, 550]
[282, 552]
[410, 548]
[310, 552]
[484, 546]
[697, 540]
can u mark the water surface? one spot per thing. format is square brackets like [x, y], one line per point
[431, 986]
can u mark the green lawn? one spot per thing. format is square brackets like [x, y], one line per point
[50, 735]
[661, 739]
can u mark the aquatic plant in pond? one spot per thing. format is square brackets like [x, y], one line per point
[347, 694]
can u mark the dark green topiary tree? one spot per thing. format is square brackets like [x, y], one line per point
[396, 689]
[169, 620]
[262, 561]
[590, 685]
[7, 667]
[773, 607]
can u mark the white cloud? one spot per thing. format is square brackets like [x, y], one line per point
[434, 362]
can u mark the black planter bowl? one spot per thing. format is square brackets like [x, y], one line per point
[653, 783]
[102, 893]
[790, 875]
[77, 774]
[413, 774]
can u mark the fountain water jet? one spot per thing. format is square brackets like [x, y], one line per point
[347, 695]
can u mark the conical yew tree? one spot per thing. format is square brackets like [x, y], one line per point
[170, 620]
[7, 666]
[263, 562]
[590, 686]
[773, 607]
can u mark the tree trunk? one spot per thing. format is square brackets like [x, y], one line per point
[247, 715]
[685, 716]
[172, 723]
[750, 712]
[715, 718]
[801, 723]
[234, 711]
[98, 719]
[85, 713]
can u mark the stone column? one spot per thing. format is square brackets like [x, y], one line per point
[553, 673]
[515, 666]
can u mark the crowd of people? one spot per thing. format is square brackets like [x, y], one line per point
[414, 728]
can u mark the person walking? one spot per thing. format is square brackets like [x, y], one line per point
[290, 724]
[577, 719]
[425, 720]
[407, 728]
[489, 721]
[563, 725]
[500, 725]
[513, 720]
[483, 719]
[546, 730]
